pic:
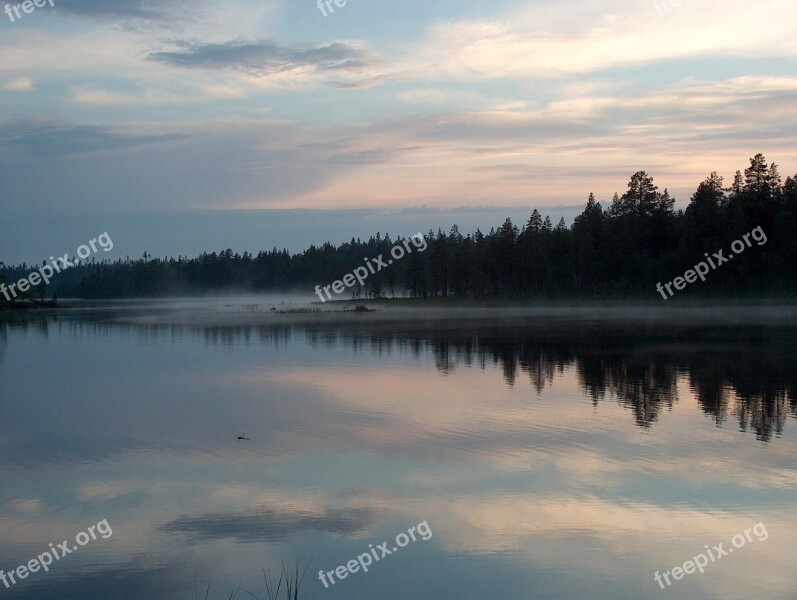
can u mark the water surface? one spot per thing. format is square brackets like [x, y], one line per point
[552, 455]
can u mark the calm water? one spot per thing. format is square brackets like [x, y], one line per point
[562, 456]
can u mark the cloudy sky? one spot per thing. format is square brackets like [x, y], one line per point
[184, 126]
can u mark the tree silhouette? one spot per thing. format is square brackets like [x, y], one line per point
[620, 251]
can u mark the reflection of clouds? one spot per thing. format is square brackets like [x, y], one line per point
[254, 514]
[493, 524]
[573, 484]
[270, 524]
[462, 418]
[637, 365]
[43, 451]
[137, 578]
[206, 509]
[106, 490]
[24, 505]
[561, 532]
[470, 413]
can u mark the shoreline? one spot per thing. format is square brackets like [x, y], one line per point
[228, 312]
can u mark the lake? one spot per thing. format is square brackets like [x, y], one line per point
[499, 453]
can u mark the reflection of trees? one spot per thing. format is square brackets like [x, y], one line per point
[762, 414]
[711, 390]
[3, 339]
[446, 356]
[527, 356]
[14, 320]
[765, 390]
[644, 388]
[754, 381]
[748, 374]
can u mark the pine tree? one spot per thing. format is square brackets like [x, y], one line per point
[756, 178]
[737, 189]
[710, 192]
[790, 191]
[534, 224]
[703, 215]
[774, 183]
[641, 199]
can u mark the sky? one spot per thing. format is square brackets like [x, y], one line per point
[180, 127]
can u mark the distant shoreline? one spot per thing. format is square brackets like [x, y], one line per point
[30, 305]
[437, 315]
[306, 304]
[657, 302]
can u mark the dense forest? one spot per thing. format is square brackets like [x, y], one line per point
[620, 250]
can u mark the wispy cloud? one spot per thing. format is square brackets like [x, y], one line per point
[565, 38]
[19, 85]
[48, 138]
[264, 58]
[142, 10]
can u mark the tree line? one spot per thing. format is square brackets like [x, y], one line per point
[619, 250]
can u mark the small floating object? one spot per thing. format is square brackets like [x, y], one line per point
[243, 437]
